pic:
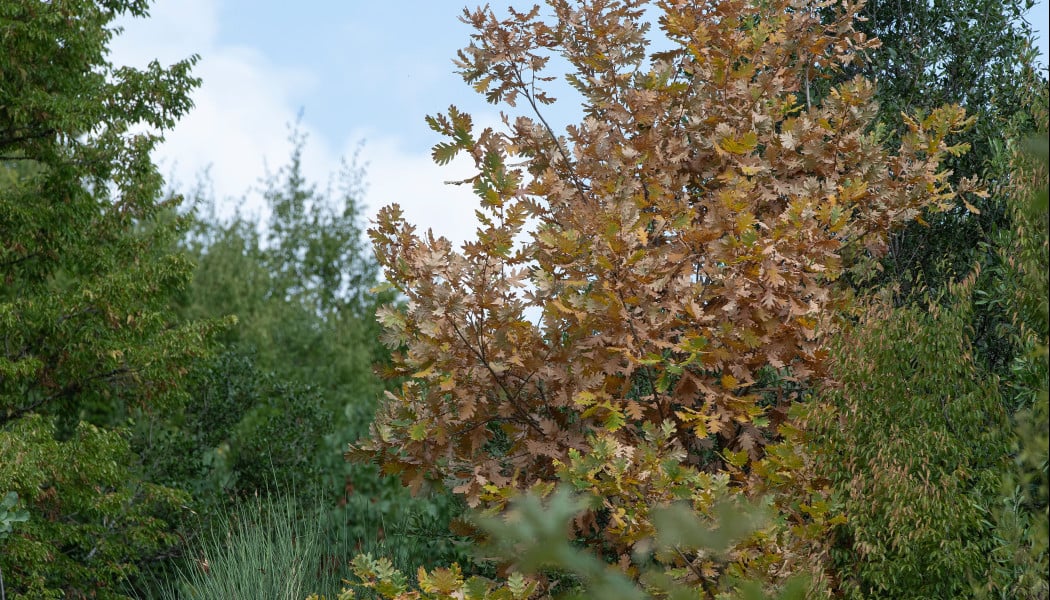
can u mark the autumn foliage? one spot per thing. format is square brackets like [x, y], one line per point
[648, 289]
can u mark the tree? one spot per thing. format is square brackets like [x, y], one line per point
[293, 380]
[686, 243]
[916, 449]
[299, 282]
[956, 281]
[298, 285]
[1027, 246]
[87, 279]
[978, 54]
[918, 436]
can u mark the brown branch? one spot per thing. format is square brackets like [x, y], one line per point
[65, 392]
[690, 564]
[550, 131]
[22, 259]
[645, 368]
[526, 419]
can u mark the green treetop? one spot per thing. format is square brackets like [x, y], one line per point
[87, 275]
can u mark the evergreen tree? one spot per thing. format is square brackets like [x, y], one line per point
[955, 278]
[978, 54]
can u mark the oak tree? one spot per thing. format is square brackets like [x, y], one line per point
[648, 288]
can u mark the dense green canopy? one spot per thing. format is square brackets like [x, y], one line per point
[87, 276]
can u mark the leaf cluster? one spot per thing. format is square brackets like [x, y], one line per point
[532, 536]
[94, 524]
[650, 267]
[943, 497]
[979, 54]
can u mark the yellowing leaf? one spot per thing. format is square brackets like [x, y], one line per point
[584, 398]
[614, 420]
[519, 587]
[418, 431]
[729, 382]
[740, 145]
[635, 410]
[447, 383]
[737, 459]
[423, 373]
[444, 152]
[441, 581]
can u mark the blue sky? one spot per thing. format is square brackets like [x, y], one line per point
[359, 70]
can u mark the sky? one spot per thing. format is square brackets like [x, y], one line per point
[359, 76]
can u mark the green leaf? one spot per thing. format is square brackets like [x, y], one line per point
[517, 585]
[418, 431]
[444, 152]
[614, 419]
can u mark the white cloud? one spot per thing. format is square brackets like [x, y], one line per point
[416, 183]
[174, 30]
[241, 112]
[240, 123]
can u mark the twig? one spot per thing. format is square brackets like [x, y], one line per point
[550, 131]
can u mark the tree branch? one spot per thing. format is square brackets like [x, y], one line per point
[529, 95]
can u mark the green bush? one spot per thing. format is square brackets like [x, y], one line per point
[295, 382]
[939, 462]
[94, 523]
[915, 452]
[242, 432]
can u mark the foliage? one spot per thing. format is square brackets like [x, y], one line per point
[1023, 519]
[685, 245]
[297, 285]
[916, 449]
[95, 523]
[242, 432]
[9, 516]
[87, 279]
[921, 435]
[294, 382]
[532, 537]
[635, 484]
[978, 54]
[279, 546]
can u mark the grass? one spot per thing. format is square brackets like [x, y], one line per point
[264, 548]
[270, 547]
